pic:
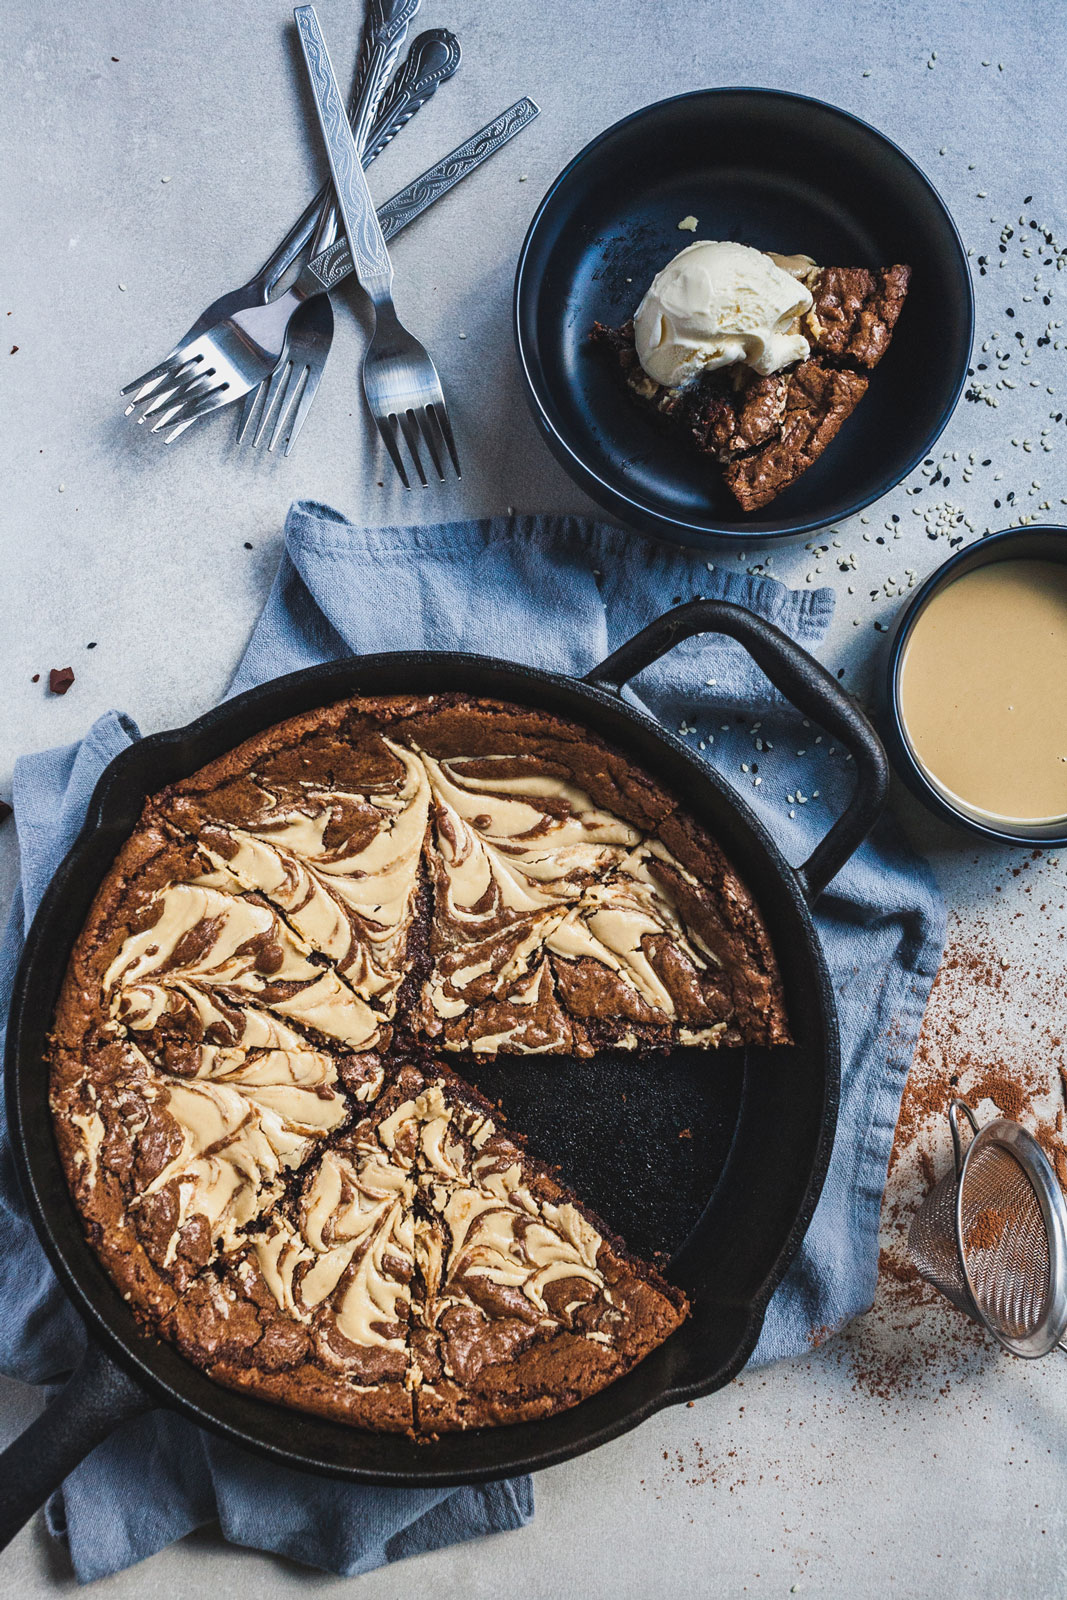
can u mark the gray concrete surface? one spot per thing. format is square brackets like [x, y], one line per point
[891, 1460]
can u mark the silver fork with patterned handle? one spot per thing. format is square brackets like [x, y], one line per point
[240, 334]
[288, 395]
[383, 34]
[290, 391]
[399, 380]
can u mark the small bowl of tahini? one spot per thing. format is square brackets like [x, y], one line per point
[974, 695]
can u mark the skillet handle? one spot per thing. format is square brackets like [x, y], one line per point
[97, 1397]
[805, 684]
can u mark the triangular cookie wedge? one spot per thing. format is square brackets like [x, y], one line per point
[527, 1305]
[766, 432]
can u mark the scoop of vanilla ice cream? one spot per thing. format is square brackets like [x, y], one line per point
[717, 304]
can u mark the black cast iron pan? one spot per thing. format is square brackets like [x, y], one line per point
[727, 1206]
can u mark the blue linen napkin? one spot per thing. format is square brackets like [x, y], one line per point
[560, 593]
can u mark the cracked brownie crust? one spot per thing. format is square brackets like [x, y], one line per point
[267, 1153]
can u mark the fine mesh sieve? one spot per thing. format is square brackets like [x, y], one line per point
[992, 1236]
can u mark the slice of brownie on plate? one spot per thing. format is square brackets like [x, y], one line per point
[766, 431]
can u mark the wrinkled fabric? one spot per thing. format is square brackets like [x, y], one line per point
[558, 593]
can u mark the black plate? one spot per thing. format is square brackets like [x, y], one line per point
[729, 1205]
[774, 170]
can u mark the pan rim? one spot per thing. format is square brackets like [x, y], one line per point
[134, 1355]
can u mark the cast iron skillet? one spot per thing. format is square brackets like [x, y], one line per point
[729, 1205]
[778, 171]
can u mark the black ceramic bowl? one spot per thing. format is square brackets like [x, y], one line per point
[1046, 543]
[778, 171]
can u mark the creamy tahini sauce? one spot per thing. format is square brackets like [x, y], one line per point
[983, 689]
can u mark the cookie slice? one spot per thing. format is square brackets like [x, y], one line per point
[525, 1304]
[168, 1171]
[174, 950]
[767, 431]
[343, 865]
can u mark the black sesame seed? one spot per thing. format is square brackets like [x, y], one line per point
[1009, 312]
[996, 505]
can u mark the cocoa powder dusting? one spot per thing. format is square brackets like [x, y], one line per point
[985, 1229]
[991, 1035]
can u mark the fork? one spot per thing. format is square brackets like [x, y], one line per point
[399, 379]
[383, 33]
[333, 265]
[291, 389]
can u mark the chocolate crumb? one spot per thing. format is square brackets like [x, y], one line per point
[60, 679]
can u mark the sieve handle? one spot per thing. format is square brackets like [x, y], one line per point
[954, 1111]
[805, 684]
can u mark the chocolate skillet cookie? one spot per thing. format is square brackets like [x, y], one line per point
[266, 1153]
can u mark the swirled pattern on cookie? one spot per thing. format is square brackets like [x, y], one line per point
[222, 966]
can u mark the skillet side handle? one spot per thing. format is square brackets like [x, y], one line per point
[804, 683]
[97, 1397]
